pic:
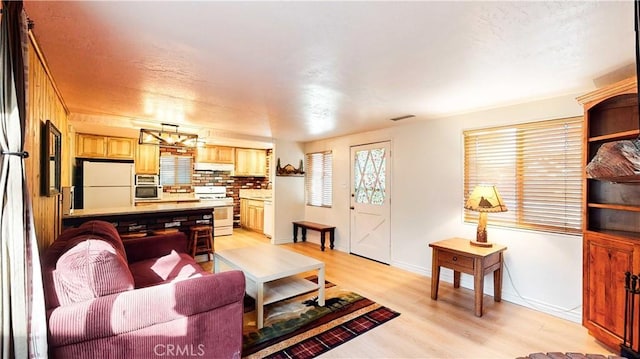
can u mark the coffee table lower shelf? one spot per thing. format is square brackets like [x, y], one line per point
[272, 273]
[280, 289]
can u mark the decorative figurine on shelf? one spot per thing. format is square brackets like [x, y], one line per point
[289, 170]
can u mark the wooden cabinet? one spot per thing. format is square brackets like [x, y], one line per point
[611, 214]
[96, 146]
[215, 154]
[606, 259]
[91, 146]
[124, 148]
[148, 159]
[252, 214]
[250, 162]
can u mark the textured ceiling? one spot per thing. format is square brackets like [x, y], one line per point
[310, 70]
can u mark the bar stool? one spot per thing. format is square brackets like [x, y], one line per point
[201, 240]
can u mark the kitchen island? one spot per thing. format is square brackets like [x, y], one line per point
[133, 220]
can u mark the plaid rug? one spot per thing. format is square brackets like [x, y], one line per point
[299, 328]
[329, 339]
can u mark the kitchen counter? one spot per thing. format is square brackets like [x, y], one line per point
[169, 198]
[133, 210]
[148, 218]
[165, 200]
[256, 194]
[257, 198]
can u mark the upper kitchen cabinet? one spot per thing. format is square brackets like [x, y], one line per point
[90, 146]
[215, 154]
[148, 159]
[96, 146]
[250, 162]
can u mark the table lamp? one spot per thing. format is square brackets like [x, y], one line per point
[484, 199]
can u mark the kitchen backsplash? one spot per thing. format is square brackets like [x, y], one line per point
[233, 184]
[217, 178]
[220, 178]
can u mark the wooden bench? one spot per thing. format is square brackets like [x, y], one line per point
[322, 228]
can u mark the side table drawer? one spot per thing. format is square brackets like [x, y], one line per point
[455, 261]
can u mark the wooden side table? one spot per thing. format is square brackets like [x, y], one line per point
[462, 257]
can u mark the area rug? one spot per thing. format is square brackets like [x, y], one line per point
[300, 328]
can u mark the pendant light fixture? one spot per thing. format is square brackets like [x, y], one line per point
[167, 138]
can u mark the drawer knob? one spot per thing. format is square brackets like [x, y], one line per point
[455, 258]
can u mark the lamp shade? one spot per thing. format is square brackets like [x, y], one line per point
[485, 198]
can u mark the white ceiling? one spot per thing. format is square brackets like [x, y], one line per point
[309, 70]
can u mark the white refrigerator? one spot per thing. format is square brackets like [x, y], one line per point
[107, 184]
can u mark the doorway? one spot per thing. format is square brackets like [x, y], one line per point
[370, 207]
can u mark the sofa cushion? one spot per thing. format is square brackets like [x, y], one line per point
[105, 231]
[169, 268]
[89, 269]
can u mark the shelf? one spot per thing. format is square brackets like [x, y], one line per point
[616, 136]
[624, 235]
[281, 289]
[617, 207]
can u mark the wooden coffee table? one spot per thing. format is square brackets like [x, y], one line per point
[270, 273]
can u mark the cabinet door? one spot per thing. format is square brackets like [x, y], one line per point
[244, 213]
[91, 146]
[121, 147]
[215, 154]
[225, 154]
[148, 159]
[259, 219]
[605, 262]
[250, 162]
[205, 154]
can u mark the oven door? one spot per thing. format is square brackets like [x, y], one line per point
[223, 220]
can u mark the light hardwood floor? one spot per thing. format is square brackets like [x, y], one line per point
[445, 328]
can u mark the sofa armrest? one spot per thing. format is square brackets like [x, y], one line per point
[138, 249]
[140, 308]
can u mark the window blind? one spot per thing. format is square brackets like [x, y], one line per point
[318, 179]
[175, 170]
[536, 167]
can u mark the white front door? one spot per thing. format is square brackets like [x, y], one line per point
[370, 210]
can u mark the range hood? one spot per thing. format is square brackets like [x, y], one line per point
[202, 166]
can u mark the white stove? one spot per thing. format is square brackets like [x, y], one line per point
[223, 213]
[212, 193]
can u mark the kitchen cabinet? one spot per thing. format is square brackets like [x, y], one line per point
[215, 154]
[96, 146]
[90, 146]
[611, 214]
[250, 162]
[252, 214]
[148, 159]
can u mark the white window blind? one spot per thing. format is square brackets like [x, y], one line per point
[318, 179]
[536, 167]
[175, 170]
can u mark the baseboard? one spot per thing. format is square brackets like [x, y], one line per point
[570, 314]
[412, 268]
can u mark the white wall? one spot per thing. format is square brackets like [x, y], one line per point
[427, 206]
[288, 192]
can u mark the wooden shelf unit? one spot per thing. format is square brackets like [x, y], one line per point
[611, 214]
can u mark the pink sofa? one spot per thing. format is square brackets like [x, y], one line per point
[138, 298]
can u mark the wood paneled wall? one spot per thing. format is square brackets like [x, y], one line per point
[44, 104]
